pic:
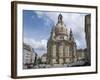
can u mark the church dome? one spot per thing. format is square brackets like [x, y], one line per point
[60, 28]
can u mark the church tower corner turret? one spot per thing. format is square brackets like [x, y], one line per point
[71, 35]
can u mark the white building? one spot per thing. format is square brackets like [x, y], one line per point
[29, 56]
[44, 58]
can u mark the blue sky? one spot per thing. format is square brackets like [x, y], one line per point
[37, 27]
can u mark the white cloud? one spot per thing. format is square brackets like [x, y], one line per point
[42, 44]
[40, 47]
[39, 14]
[44, 17]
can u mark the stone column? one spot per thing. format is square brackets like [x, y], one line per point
[66, 51]
[61, 54]
[53, 52]
[66, 54]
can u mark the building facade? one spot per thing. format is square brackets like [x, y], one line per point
[44, 58]
[88, 36]
[61, 46]
[81, 55]
[29, 56]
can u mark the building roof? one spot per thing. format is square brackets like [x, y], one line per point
[26, 46]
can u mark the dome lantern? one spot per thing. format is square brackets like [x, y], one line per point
[60, 17]
[60, 28]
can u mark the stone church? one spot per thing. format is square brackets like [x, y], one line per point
[61, 46]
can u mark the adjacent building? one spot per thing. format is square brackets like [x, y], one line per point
[44, 58]
[29, 56]
[61, 46]
[81, 55]
[88, 36]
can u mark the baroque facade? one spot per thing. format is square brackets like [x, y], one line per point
[61, 46]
